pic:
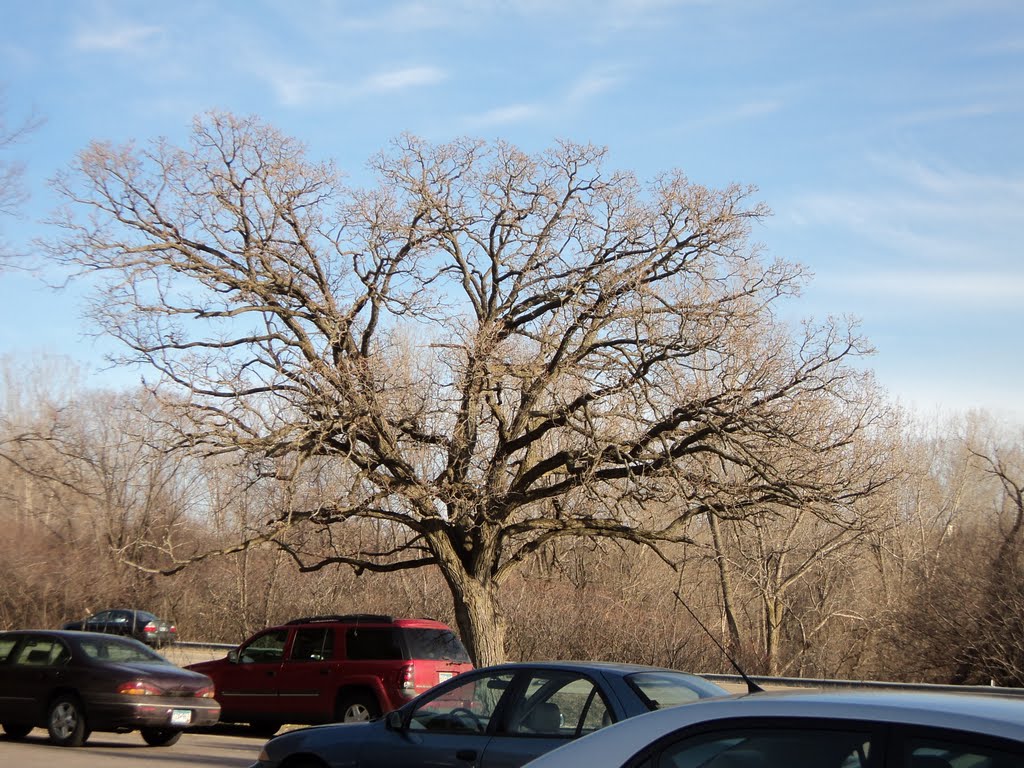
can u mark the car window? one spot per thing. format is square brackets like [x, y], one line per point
[265, 648]
[667, 689]
[372, 643]
[776, 747]
[312, 644]
[558, 704]
[120, 617]
[101, 617]
[434, 645]
[119, 650]
[6, 646]
[464, 708]
[41, 652]
[931, 753]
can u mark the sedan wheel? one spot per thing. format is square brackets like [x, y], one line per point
[160, 737]
[66, 722]
[16, 730]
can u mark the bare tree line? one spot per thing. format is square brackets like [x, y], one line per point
[927, 588]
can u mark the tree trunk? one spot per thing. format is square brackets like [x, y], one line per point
[732, 642]
[478, 613]
[479, 618]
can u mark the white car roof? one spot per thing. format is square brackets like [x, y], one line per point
[991, 715]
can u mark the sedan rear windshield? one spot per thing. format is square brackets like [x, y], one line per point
[113, 649]
[667, 689]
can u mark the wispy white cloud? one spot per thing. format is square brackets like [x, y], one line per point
[512, 113]
[929, 286]
[301, 86]
[954, 233]
[402, 78]
[592, 85]
[121, 36]
[740, 112]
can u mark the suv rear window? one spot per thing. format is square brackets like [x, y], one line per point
[434, 645]
[382, 644]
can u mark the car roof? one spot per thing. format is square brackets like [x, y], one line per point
[365, 620]
[992, 715]
[614, 667]
[71, 634]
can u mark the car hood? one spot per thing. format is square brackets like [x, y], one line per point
[342, 737]
[202, 666]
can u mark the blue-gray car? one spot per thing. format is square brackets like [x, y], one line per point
[496, 717]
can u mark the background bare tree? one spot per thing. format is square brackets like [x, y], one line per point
[487, 352]
[13, 189]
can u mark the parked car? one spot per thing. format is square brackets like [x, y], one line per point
[74, 683]
[141, 625]
[324, 669]
[842, 729]
[495, 717]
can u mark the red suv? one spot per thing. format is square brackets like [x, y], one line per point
[323, 669]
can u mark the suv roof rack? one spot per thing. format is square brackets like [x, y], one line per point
[344, 617]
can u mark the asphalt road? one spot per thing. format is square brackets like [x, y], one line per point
[114, 750]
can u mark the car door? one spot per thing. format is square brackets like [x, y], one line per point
[248, 687]
[546, 709]
[9, 702]
[770, 743]
[449, 727]
[35, 668]
[100, 622]
[305, 687]
[918, 747]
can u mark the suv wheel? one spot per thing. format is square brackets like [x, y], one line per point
[356, 707]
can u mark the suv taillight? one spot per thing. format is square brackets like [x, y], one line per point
[407, 680]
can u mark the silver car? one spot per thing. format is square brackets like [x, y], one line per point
[841, 729]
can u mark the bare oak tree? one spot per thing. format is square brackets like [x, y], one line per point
[486, 352]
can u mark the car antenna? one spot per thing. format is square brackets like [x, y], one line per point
[752, 687]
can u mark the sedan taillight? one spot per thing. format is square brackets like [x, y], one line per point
[207, 692]
[151, 627]
[140, 688]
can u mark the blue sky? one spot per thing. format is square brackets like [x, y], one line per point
[887, 137]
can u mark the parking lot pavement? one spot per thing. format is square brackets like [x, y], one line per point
[114, 750]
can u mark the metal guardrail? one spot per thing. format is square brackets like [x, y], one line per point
[805, 682]
[204, 646]
[777, 682]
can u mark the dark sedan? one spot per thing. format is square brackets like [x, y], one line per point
[142, 625]
[496, 717]
[74, 683]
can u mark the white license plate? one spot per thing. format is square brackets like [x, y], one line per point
[442, 676]
[181, 716]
